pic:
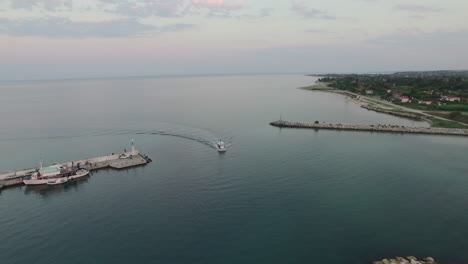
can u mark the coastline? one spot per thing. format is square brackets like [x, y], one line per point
[380, 106]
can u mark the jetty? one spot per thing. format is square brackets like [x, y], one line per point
[373, 128]
[120, 160]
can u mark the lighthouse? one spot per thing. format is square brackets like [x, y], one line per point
[134, 152]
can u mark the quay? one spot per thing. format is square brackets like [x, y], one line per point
[132, 158]
[373, 128]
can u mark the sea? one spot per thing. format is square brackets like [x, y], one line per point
[276, 196]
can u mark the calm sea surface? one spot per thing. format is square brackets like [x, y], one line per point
[277, 195]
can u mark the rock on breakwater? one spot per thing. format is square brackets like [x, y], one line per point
[407, 260]
[374, 128]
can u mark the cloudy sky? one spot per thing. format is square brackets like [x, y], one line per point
[53, 39]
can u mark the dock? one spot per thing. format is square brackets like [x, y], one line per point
[373, 128]
[132, 158]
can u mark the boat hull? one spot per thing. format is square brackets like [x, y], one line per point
[35, 182]
[57, 181]
[79, 174]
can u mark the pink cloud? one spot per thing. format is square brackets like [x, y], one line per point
[300, 8]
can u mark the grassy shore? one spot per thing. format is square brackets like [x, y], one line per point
[446, 123]
[461, 117]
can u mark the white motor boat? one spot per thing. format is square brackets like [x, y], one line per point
[78, 174]
[124, 156]
[221, 146]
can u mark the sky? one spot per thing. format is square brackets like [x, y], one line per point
[60, 39]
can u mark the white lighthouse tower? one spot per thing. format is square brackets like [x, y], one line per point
[134, 152]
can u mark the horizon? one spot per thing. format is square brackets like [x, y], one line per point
[59, 39]
[312, 74]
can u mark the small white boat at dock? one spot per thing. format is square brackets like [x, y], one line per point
[125, 156]
[57, 181]
[78, 174]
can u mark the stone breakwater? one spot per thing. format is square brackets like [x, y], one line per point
[407, 260]
[374, 128]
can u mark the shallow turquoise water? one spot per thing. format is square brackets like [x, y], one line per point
[277, 196]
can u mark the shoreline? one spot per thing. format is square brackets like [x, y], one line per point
[366, 104]
[379, 106]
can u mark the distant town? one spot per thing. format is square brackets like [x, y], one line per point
[440, 93]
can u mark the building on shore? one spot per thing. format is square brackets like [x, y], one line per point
[451, 98]
[398, 95]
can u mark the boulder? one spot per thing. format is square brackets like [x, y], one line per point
[402, 260]
[429, 260]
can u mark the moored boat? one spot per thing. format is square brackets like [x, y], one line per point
[78, 174]
[43, 175]
[63, 176]
[57, 181]
[125, 156]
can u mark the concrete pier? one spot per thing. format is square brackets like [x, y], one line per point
[374, 128]
[133, 158]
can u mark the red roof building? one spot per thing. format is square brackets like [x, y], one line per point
[397, 94]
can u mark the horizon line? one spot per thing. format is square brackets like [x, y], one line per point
[148, 76]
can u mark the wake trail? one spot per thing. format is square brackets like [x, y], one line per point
[208, 140]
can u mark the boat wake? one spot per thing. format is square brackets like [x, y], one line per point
[201, 136]
[196, 138]
[210, 142]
